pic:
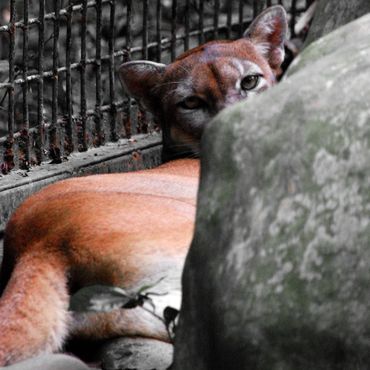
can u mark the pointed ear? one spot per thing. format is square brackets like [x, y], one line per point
[268, 33]
[139, 78]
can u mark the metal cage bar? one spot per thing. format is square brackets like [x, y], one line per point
[54, 147]
[229, 19]
[216, 16]
[81, 126]
[98, 134]
[241, 16]
[145, 29]
[68, 140]
[201, 22]
[40, 86]
[173, 29]
[126, 56]
[158, 30]
[79, 122]
[293, 17]
[24, 162]
[112, 88]
[9, 153]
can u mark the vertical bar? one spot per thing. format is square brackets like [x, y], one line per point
[142, 125]
[187, 26]
[12, 31]
[269, 2]
[128, 28]
[201, 22]
[81, 131]
[145, 29]
[173, 30]
[54, 149]
[113, 109]
[229, 18]
[159, 34]
[40, 87]
[9, 155]
[293, 12]
[241, 16]
[127, 106]
[68, 142]
[216, 15]
[98, 136]
[25, 161]
[255, 8]
[258, 6]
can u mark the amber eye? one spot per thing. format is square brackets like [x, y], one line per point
[250, 82]
[192, 102]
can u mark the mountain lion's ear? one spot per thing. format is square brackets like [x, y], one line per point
[268, 33]
[139, 78]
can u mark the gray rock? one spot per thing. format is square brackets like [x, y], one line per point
[49, 362]
[353, 34]
[136, 353]
[332, 14]
[278, 273]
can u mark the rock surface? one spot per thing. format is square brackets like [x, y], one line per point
[278, 273]
[135, 353]
[49, 362]
[332, 14]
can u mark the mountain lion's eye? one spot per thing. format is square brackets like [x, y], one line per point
[250, 82]
[192, 102]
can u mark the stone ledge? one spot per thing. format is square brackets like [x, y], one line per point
[143, 151]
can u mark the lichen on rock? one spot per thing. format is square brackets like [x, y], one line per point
[278, 274]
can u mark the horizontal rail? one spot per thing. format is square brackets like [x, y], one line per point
[51, 16]
[120, 53]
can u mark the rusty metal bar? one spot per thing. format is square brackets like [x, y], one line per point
[98, 134]
[51, 16]
[127, 56]
[293, 12]
[54, 147]
[216, 16]
[9, 154]
[173, 29]
[201, 22]
[187, 26]
[112, 96]
[158, 30]
[145, 29]
[68, 140]
[258, 6]
[241, 15]
[24, 160]
[141, 119]
[229, 19]
[128, 27]
[81, 126]
[39, 150]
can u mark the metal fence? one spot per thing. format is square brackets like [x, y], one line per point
[58, 88]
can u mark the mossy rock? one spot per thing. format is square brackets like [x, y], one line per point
[278, 273]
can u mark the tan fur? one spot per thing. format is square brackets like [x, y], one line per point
[119, 229]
